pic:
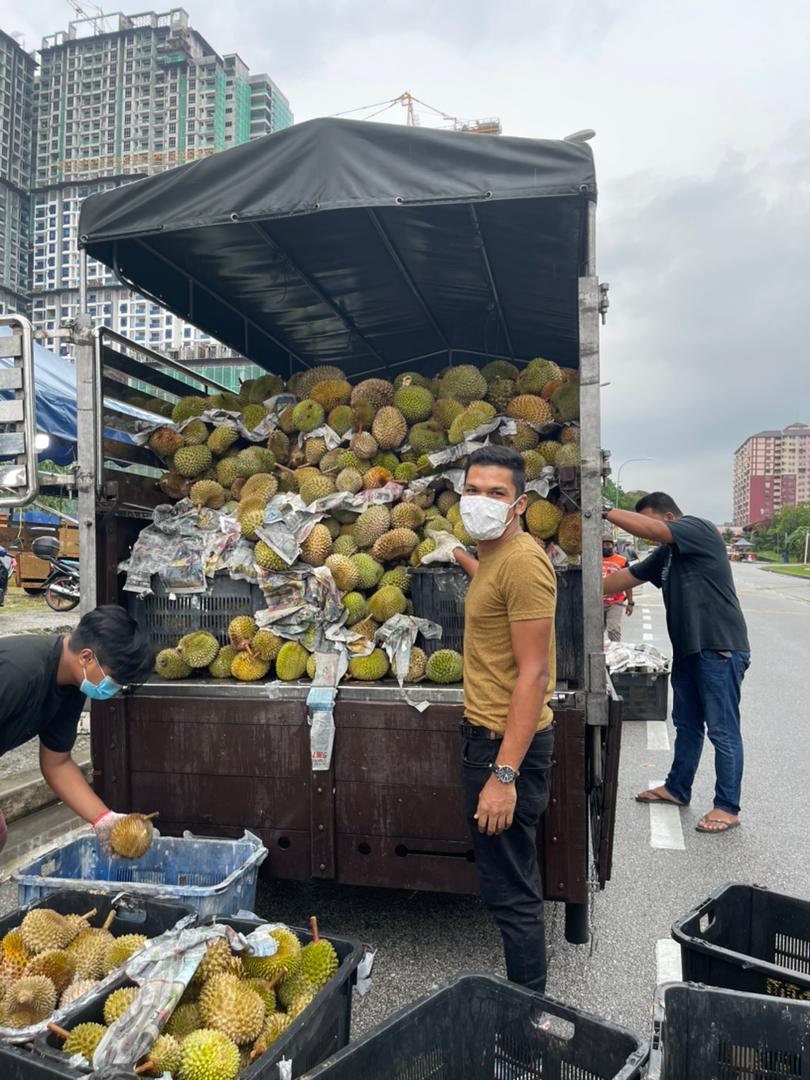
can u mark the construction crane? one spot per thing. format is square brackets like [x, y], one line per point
[97, 18]
[490, 125]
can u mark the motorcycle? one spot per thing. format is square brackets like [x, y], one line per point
[62, 584]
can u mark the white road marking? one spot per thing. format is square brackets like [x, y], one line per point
[665, 825]
[668, 961]
[647, 637]
[657, 735]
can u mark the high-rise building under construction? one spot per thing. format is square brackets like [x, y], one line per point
[118, 98]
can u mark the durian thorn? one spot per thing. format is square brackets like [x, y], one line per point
[313, 922]
[109, 920]
[257, 1051]
[149, 1066]
[59, 1032]
[89, 914]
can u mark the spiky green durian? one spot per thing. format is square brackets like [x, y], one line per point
[444, 666]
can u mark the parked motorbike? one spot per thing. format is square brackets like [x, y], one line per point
[62, 584]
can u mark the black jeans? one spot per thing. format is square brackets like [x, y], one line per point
[509, 878]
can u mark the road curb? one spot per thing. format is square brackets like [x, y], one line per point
[27, 792]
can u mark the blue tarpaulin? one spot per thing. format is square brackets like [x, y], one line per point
[55, 393]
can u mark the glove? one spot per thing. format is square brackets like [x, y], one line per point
[446, 544]
[103, 827]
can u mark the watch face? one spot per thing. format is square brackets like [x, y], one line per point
[505, 773]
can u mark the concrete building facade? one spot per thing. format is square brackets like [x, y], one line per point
[119, 98]
[771, 470]
[16, 144]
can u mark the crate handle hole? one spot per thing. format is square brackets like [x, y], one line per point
[706, 921]
[401, 851]
[364, 848]
[284, 842]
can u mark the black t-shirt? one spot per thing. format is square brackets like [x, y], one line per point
[31, 703]
[694, 574]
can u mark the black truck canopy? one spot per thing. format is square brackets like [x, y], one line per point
[365, 245]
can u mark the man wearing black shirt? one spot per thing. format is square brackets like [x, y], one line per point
[44, 680]
[710, 648]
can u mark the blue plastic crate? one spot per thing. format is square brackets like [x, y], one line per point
[213, 876]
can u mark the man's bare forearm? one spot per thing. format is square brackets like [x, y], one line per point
[646, 528]
[465, 560]
[524, 714]
[67, 781]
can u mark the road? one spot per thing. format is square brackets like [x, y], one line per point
[421, 939]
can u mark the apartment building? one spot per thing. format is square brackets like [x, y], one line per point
[118, 98]
[771, 470]
[16, 142]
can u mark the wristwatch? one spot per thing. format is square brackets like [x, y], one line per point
[505, 773]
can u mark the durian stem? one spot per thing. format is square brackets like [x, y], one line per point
[277, 978]
[257, 1051]
[59, 1032]
[156, 813]
[149, 1066]
[283, 468]
[89, 914]
[109, 920]
[313, 922]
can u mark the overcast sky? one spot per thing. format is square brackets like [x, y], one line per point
[702, 114]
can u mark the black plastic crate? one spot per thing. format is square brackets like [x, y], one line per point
[167, 617]
[703, 1033]
[645, 694]
[438, 593]
[745, 937]
[134, 915]
[479, 1027]
[321, 1030]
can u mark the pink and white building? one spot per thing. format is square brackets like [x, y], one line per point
[771, 470]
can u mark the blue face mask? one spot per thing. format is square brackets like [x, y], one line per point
[101, 691]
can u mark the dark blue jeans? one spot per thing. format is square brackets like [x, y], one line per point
[706, 698]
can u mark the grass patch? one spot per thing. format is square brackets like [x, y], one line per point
[19, 602]
[792, 571]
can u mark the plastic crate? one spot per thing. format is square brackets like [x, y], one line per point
[167, 617]
[210, 876]
[321, 1030]
[134, 915]
[438, 593]
[745, 937]
[645, 694]
[703, 1033]
[479, 1027]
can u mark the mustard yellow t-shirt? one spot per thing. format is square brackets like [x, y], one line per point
[513, 583]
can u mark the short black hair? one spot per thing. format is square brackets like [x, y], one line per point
[118, 642]
[501, 457]
[660, 503]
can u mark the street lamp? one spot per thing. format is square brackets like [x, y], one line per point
[619, 476]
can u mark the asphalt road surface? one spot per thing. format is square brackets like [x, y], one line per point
[662, 867]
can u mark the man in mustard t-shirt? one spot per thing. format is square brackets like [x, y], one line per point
[509, 673]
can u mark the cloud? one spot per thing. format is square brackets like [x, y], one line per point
[706, 342]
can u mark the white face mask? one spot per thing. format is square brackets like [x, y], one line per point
[484, 518]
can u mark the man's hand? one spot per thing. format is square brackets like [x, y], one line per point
[630, 609]
[446, 544]
[496, 807]
[103, 828]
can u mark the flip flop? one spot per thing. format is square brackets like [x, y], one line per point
[659, 799]
[725, 826]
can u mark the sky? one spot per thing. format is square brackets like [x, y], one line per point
[702, 115]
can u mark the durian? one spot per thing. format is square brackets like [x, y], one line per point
[355, 604]
[445, 411]
[184, 1020]
[532, 409]
[285, 960]
[363, 446]
[376, 478]
[220, 667]
[350, 480]
[169, 664]
[76, 990]
[499, 369]
[263, 485]
[267, 558]
[298, 1004]
[118, 1002]
[192, 460]
[307, 416]
[370, 570]
[569, 534]
[266, 645]
[444, 666]
[43, 929]
[227, 1004]
[164, 1057]
[465, 383]
[221, 439]
[542, 518]
[340, 419]
[208, 1055]
[302, 382]
[314, 450]
[253, 415]
[319, 961]
[56, 964]
[28, 1001]
[292, 986]
[414, 402]
[500, 393]
[397, 576]
[377, 393]
[195, 433]
[369, 668]
[396, 544]
[317, 487]
[343, 570]
[371, 525]
[274, 1026]
[427, 438]
[317, 546]
[407, 516]
[122, 949]
[208, 493]
[291, 663]
[331, 392]
[165, 441]
[241, 631]
[187, 407]
[416, 667]
[198, 649]
[84, 1040]
[264, 987]
[248, 668]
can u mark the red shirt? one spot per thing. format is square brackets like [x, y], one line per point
[610, 564]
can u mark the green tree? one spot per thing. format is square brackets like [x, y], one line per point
[727, 535]
[626, 500]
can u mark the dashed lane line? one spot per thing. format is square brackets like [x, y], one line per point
[657, 735]
[666, 832]
[647, 637]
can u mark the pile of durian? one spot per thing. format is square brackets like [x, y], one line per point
[51, 960]
[253, 654]
[232, 1011]
[388, 430]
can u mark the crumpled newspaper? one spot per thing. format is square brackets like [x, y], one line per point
[225, 418]
[397, 636]
[163, 970]
[621, 656]
[172, 547]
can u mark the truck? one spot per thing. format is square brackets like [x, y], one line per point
[380, 249]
